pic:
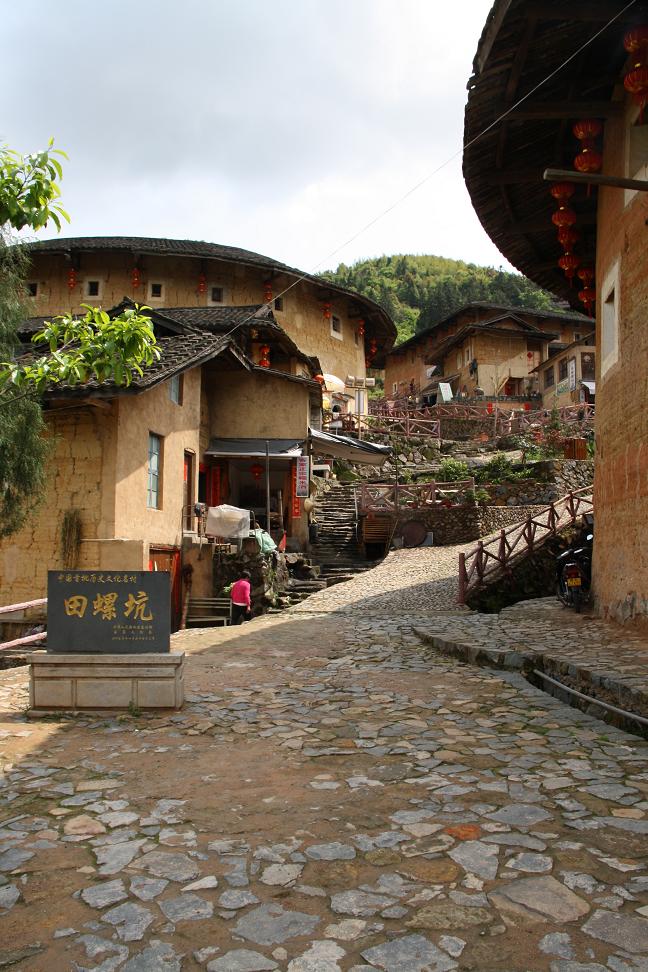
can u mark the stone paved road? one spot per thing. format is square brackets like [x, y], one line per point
[329, 800]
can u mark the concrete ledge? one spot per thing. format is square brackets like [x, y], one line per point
[76, 681]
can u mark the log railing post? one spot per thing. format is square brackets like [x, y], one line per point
[462, 579]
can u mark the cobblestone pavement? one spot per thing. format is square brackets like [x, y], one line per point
[330, 799]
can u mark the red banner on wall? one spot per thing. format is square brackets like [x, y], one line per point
[296, 502]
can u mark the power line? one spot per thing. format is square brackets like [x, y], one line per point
[451, 158]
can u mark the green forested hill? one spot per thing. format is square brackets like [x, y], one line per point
[420, 290]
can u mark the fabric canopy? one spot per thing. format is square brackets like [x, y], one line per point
[254, 448]
[344, 447]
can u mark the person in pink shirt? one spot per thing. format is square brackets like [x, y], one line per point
[241, 601]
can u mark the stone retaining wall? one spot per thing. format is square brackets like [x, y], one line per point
[461, 524]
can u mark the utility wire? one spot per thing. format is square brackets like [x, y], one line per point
[451, 158]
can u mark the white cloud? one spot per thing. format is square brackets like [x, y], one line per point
[282, 127]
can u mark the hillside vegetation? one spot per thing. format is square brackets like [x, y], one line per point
[418, 291]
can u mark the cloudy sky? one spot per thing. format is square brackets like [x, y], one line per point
[283, 126]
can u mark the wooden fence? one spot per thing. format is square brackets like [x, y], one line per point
[416, 423]
[28, 639]
[401, 419]
[389, 498]
[494, 558]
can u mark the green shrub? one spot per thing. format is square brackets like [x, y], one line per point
[499, 469]
[452, 470]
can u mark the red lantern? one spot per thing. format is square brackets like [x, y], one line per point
[202, 283]
[373, 345]
[257, 471]
[567, 237]
[587, 296]
[361, 328]
[267, 291]
[326, 310]
[264, 360]
[589, 160]
[564, 217]
[637, 40]
[636, 82]
[72, 278]
[586, 274]
[587, 129]
[529, 354]
[569, 263]
[136, 278]
[562, 190]
[320, 379]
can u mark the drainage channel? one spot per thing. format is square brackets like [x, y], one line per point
[640, 721]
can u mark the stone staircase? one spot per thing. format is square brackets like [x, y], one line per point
[337, 551]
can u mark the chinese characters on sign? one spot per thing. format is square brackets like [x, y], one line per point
[295, 501]
[301, 473]
[108, 613]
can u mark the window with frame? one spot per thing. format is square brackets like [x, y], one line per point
[176, 388]
[588, 366]
[394, 387]
[216, 294]
[278, 303]
[156, 291]
[32, 288]
[336, 327]
[610, 320]
[92, 288]
[562, 369]
[154, 493]
[549, 377]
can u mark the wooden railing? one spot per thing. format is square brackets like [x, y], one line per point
[504, 417]
[392, 499]
[28, 639]
[416, 423]
[490, 560]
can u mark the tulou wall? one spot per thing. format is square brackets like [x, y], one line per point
[621, 480]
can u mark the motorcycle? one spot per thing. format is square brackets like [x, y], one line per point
[574, 569]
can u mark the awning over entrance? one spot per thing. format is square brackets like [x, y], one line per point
[254, 448]
[344, 447]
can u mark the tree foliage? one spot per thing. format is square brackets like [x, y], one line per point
[94, 346]
[29, 188]
[419, 291]
[23, 446]
[75, 349]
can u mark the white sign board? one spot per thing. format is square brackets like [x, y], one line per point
[571, 373]
[302, 480]
[445, 391]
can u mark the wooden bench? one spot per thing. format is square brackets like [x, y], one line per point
[208, 611]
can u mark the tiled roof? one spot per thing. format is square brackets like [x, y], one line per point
[157, 245]
[178, 353]
[214, 319]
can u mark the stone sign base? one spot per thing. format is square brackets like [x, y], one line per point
[76, 681]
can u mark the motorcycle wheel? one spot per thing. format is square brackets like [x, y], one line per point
[561, 593]
[576, 600]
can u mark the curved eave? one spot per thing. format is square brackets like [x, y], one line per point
[523, 43]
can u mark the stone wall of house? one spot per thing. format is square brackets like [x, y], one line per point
[620, 568]
[78, 479]
[302, 315]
